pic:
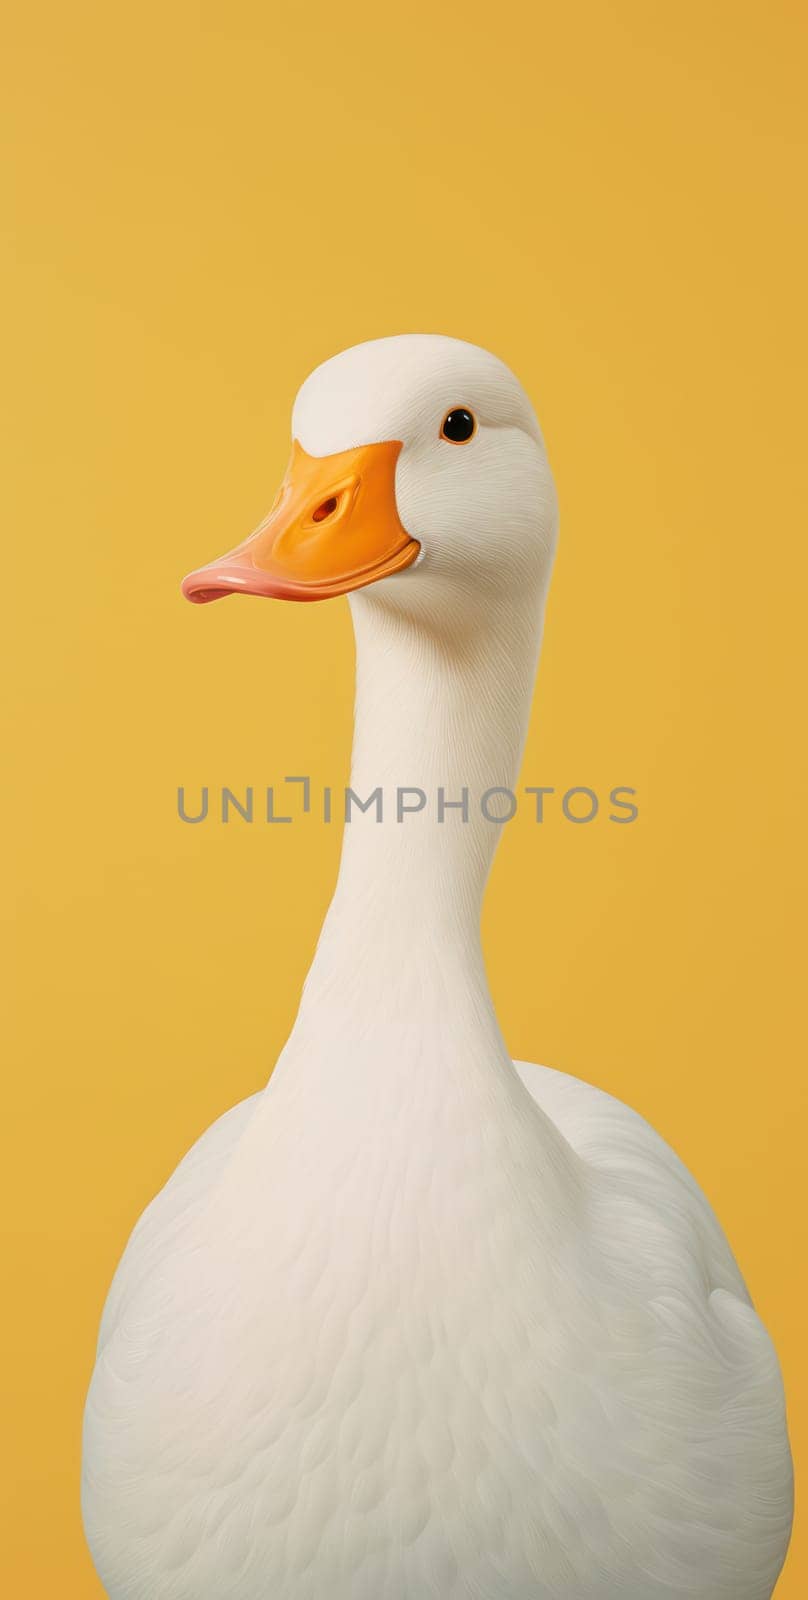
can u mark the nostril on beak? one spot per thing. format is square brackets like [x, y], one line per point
[325, 509]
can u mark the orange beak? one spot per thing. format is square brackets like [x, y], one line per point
[334, 527]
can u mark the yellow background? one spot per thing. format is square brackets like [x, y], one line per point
[205, 201]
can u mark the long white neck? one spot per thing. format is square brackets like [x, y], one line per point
[444, 712]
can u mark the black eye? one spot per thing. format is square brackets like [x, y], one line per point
[458, 425]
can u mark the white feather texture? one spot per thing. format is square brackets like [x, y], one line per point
[414, 1322]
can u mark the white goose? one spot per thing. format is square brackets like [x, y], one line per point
[414, 1321]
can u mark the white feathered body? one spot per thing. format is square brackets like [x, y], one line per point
[431, 1365]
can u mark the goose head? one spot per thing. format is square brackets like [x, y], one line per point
[418, 477]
